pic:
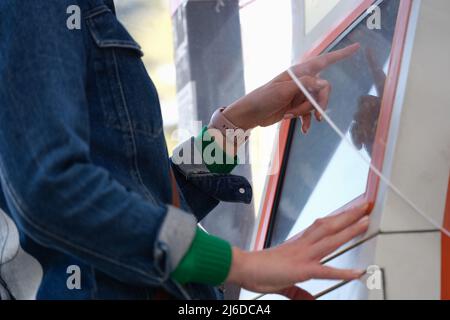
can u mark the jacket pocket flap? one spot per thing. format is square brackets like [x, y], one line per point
[108, 32]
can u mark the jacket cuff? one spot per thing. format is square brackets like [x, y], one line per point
[225, 163]
[188, 159]
[177, 232]
[207, 261]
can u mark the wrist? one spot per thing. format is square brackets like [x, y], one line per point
[239, 263]
[226, 146]
[238, 114]
[229, 132]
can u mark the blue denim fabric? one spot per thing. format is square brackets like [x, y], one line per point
[83, 161]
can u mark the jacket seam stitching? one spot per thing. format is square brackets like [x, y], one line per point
[132, 134]
[97, 11]
[130, 44]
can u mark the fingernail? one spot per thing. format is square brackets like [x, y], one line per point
[365, 219]
[322, 82]
[288, 116]
[359, 273]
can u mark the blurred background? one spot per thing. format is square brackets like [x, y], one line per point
[149, 22]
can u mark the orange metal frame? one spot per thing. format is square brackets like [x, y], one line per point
[445, 252]
[274, 181]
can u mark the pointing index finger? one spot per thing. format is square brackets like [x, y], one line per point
[324, 61]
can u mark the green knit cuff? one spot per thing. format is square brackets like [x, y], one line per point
[207, 261]
[225, 163]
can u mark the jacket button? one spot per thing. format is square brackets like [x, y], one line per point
[241, 190]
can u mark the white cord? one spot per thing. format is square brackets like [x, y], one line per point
[366, 160]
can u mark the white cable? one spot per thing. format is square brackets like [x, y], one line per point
[366, 160]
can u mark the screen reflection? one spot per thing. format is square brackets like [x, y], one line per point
[323, 173]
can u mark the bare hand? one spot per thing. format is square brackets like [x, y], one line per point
[298, 260]
[281, 98]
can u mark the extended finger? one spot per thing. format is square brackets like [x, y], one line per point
[331, 225]
[301, 109]
[306, 122]
[320, 63]
[330, 244]
[325, 272]
[312, 83]
[315, 65]
[323, 98]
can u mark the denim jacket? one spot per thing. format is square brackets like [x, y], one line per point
[85, 174]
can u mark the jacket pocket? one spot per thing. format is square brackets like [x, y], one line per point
[128, 97]
[107, 31]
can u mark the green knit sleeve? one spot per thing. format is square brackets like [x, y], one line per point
[207, 261]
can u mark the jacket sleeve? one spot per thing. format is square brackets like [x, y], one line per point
[55, 193]
[205, 184]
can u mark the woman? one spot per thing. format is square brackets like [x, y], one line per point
[88, 182]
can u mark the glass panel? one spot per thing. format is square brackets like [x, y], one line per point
[324, 173]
